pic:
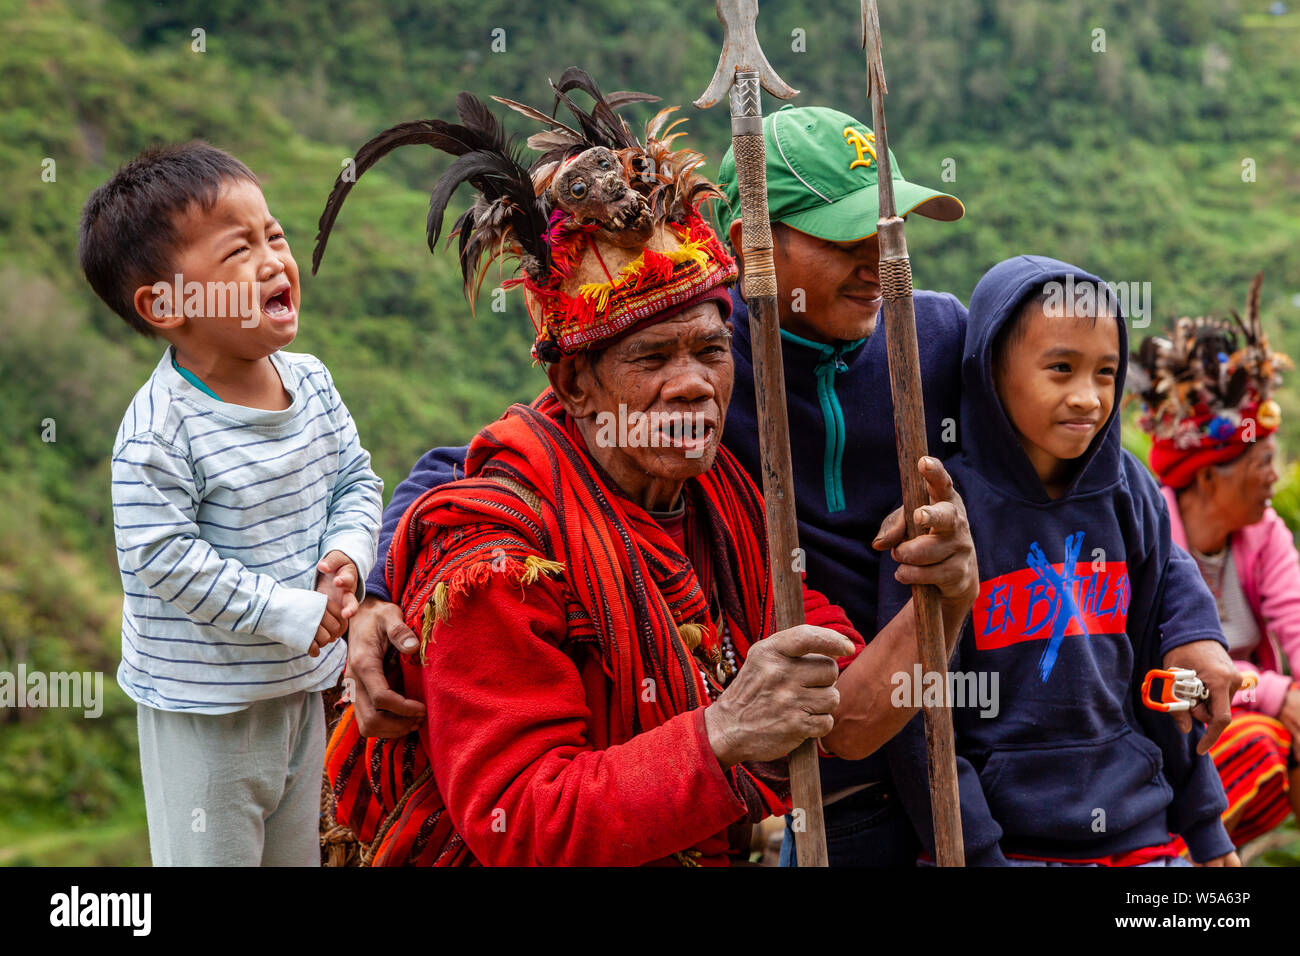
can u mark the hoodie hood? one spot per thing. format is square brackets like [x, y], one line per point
[989, 441]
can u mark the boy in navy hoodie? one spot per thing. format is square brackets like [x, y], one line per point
[1081, 592]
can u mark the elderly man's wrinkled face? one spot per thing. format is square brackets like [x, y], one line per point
[652, 405]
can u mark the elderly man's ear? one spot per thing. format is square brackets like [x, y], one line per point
[573, 379]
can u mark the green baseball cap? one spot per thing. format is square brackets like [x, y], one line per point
[821, 177]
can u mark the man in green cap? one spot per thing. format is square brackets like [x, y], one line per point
[821, 176]
[823, 202]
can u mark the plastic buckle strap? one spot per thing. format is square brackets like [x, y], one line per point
[1180, 689]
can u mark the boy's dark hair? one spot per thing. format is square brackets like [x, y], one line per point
[129, 225]
[1013, 330]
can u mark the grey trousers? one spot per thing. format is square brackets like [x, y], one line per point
[241, 789]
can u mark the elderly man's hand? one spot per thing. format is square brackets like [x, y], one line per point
[783, 694]
[945, 556]
[1215, 669]
[380, 710]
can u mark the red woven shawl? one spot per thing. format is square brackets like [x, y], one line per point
[632, 586]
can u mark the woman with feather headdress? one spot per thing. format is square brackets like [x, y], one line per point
[1206, 399]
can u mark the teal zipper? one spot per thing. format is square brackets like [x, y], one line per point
[830, 362]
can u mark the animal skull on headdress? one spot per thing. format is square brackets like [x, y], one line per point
[593, 187]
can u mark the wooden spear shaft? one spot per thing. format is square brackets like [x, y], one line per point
[774, 433]
[743, 71]
[909, 430]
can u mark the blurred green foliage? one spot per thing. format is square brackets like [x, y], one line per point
[1128, 162]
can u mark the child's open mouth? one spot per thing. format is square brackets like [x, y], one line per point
[279, 307]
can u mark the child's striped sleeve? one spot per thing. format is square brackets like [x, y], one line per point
[155, 503]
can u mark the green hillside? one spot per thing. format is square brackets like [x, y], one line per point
[1128, 161]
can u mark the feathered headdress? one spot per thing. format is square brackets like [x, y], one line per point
[606, 230]
[1206, 390]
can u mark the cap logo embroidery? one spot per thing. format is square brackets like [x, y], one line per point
[863, 144]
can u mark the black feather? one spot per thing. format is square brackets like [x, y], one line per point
[447, 137]
[463, 228]
[472, 168]
[475, 115]
[602, 126]
[507, 190]
[506, 209]
[1236, 389]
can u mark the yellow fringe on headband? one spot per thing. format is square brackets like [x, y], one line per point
[598, 293]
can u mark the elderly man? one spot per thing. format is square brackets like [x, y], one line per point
[846, 476]
[592, 601]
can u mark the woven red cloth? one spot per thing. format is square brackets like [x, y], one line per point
[564, 705]
[1252, 758]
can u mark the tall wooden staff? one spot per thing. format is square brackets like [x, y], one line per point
[909, 429]
[742, 69]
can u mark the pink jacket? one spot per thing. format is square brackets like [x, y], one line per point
[1269, 569]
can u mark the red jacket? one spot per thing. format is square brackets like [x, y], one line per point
[529, 750]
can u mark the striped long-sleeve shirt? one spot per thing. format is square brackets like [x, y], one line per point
[221, 513]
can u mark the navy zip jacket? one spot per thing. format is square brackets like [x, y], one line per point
[845, 472]
[1079, 597]
[845, 462]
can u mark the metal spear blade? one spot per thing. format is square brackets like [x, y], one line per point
[871, 43]
[876, 89]
[741, 51]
